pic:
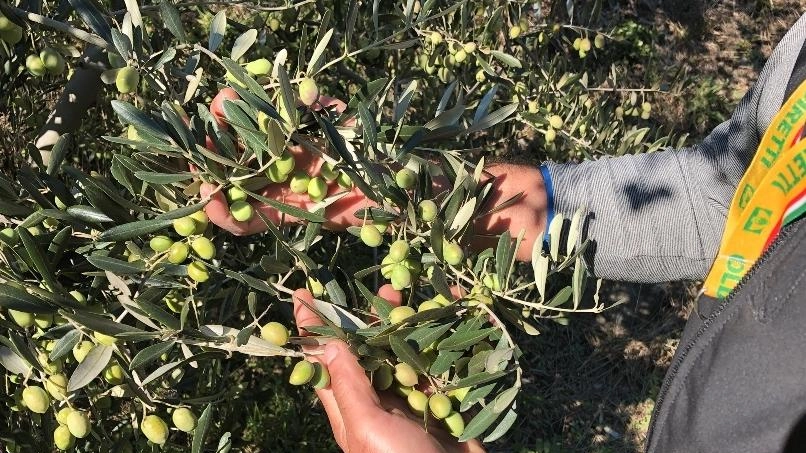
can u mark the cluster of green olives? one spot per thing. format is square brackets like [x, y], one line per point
[48, 61]
[583, 44]
[191, 228]
[443, 56]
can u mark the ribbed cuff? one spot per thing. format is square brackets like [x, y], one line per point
[549, 186]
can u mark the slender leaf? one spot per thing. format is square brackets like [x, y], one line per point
[92, 365]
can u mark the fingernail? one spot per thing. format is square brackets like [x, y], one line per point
[331, 353]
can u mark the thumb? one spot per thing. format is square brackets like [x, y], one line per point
[351, 388]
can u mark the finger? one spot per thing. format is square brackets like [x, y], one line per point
[217, 210]
[304, 316]
[351, 388]
[391, 295]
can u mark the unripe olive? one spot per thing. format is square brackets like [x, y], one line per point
[160, 244]
[241, 211]
[532, 107]
[646, 107]
[382, 377]
[43, 321]
[400, 277]
[155, 429]
[274, 174]
[402, 390]
[299, 182]
[469, 47]
[62, 438]
[6, 23]
[317, 189]
[56, 385]
[440, 405]
[36, 399]
[645, 115]
[435, 37]
[184, 226]
[178, 253]
[81, 350]
[52, 60]
[35, 66]
[198, 271]
[235, 194]
[21, 318]
[104, 339]
[259, 67]
[514, 31]
[316, 287]
[556, 121]
[405, 374]
[455, 424]
[459, 393]
[452, 253]
[428, 210]
[619, 112]
[12, 35]
[274, 24]
[184, 419]
[405, 178]
[585, 45]
[387, 264]
[371, 236]
[460, 56]
[127, 80]
[308, 91]
[491, 281]
[577, 44]
[302, 373]
[78, 423]
[275, 333]
[114, 375]
[599, 41]
[328, 172]
[203, 247]
[400, 314]
[286, 163]
[380, 226]
[481, 76]
[399, 250]
[428, 305]
[9, 236]
[321, 376]
[550, 135]
[344, 181]
[418, 401]
[79, 297]
[61, 416]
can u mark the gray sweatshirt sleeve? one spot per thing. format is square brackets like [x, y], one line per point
[659, 216]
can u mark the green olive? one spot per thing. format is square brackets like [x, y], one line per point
[514, 31]
[556, 122]
[241, 211]
[371, 236]
[127, 80]
[440, 405]
[259, 67]
[418, 401]
[203, 247]
[235, 194]
[9, 236]
[299, 182]
[585, 45]
[400, 314]
[455, 424]
[399, 250]
[104, 339]
[275, 333]
[427, 210]
[81, 350]
[387, 264]
[400, 277]
[382, 377]
[114, 375]
[317, 189]
[406, 178]
[78, 423]
[21, 318]
[316, 287]
[56, 385]
[302, 373]
[35, 66]
[178, 253]
[61, 416]
[321, 376]
[62, 438]
[52, 60]
[184, 226]
[428, 305]
[43, 321]
[469, 47]
[198, 271]
[308, 91]
[452, 253]
[599, 41]
[491, 281]
[435, 37]
[155, 429]
[286, 163]
[184, 419]
[344, 181]
[160, 244]
[405, 375]
[36, 399]
[328, 172]
[12, 35]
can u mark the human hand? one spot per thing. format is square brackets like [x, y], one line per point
[339, 214]
[362, 420]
